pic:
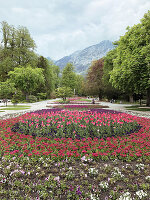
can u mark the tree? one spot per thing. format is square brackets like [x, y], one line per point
[131, 71]
[44, 64]
[17, 48]
[94, 78]
[79, 85]
[27, 79]
[6, 90]
[56, 71]
[25, 46]
[109, 91]
[64, 92]
[69, 76]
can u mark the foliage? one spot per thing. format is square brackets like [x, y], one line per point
[131, 71]
[31, 99]
[47, 67]
[68, 77]
[91, 124]
[41, 95]
[56, 72]
[109, 91]
[79, 85]
[94, 78]
[64, 92]
[17, 49]
[27, 79]
[6, 90]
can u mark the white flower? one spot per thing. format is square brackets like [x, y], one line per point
[57, 178]
[125, 196]
[140, 166]
[147, 178]
[93, 197]
[103, 185]
[93, 171]
[117, 173]
[141, 194]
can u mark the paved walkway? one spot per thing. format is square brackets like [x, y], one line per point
[34, 106]
[43, 105]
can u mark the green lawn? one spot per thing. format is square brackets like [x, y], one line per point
[138, 108]
[17, 107]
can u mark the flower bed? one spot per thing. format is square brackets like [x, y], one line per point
[85, 167]
[76, 125]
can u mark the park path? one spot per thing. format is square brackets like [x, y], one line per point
[34, 106]
[43, 105]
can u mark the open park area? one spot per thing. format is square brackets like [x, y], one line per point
[75, 100]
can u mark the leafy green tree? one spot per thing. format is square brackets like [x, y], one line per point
[64, 92]
[109, 91]
[79, 85]
[25, 46]
[6, 90]
[131, 71]
[94, 78]
[17, 48]
[69, 76]
[27, 79]
[56, 72]
[47, 67]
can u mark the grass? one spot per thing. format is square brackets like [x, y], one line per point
[137, 108]
[17, 107]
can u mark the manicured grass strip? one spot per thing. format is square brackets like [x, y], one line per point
[137, 108]
[17, 107]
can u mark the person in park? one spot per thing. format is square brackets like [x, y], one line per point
[93, 101]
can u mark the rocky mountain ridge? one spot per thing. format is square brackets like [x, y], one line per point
[82, 59]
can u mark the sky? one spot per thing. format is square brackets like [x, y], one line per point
[60, 27]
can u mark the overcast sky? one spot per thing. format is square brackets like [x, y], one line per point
[60, 27]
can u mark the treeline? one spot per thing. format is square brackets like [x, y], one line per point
[124, 73]
[24, 75]
[125, 70]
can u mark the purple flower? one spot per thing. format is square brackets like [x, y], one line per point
[78, 191]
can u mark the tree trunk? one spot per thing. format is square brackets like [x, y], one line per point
[131, 98]
[27, 97]
[100, 95]
[148, 97]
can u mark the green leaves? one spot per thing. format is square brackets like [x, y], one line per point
[27, 79]
[69, 76]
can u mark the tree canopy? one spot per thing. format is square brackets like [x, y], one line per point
[69, 76]
[131, 67]
[27, 79]
[94, 78]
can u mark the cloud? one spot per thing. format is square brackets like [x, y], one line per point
[61, 27]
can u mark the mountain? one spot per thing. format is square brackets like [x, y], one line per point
[82, 59]
[48, 58]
